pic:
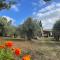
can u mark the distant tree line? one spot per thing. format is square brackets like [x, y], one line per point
[28, 29]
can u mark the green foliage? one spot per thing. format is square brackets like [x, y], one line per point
[40, 23]
[6, 55]
[28, 28]
[7, 26]
[4, 4]
[57, 26]
[56, 30]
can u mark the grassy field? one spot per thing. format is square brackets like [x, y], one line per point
[42, 49]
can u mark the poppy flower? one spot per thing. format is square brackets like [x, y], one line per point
[1, 46]
[17, 51]
[9, 44]
[26, 57]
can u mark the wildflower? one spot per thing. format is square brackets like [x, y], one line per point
[9, 44]
[17, 51]
[26, 57]
[1, 46]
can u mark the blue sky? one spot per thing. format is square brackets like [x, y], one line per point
[48, 13]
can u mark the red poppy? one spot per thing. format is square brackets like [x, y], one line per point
[9, 44]
[17, 51]
[26, 57]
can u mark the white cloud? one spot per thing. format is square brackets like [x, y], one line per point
[48, 15]
[15, 8]
[41, 2]
[48, 24]
[37, 3]
[34, 13]
[48, 8]
[58, 4]
[9, 18]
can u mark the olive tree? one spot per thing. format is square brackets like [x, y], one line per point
[56, 30]
[29, 28]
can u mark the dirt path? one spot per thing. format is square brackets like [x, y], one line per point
[43, 49]
[26, 44]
